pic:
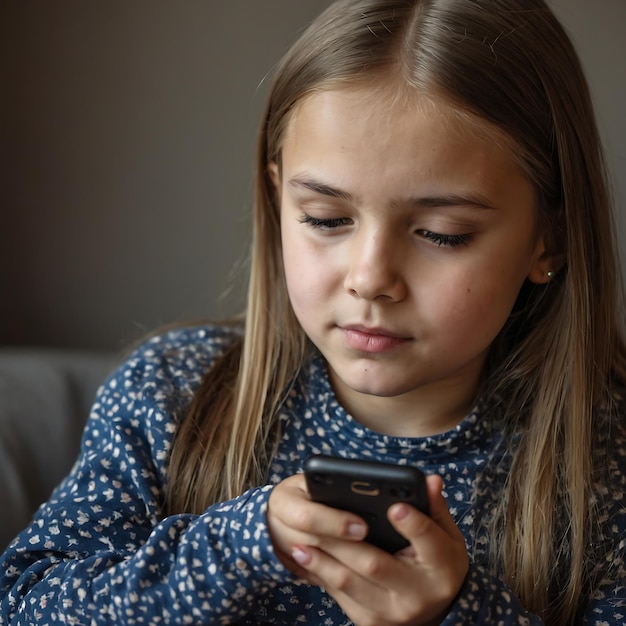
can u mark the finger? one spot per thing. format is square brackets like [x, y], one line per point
[439, 550]
[302, 556]
[359, 581]
[320, 521]
[434, 538]
[293, 518]
[439, 511]
[343, 575]
[408, 519]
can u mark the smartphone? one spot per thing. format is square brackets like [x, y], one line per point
[367, 488]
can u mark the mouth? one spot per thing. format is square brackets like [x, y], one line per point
[372, 340]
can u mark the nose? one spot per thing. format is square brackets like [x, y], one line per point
[375, 268]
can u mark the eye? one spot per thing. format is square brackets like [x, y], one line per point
[324, 223]
[448, 241]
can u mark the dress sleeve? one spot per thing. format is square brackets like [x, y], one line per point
[100, 552]
[486, 600]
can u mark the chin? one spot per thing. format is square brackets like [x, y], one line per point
[372, 384]
[380, 391]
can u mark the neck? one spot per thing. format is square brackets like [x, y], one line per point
[421, 412]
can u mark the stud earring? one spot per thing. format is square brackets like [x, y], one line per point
[550, 274]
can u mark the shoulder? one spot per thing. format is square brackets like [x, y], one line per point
[188, 350]
[161, 375]
[139, 406]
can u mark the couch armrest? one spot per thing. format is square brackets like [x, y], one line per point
[45, 396]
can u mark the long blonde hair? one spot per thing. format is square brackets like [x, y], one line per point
[510, 63]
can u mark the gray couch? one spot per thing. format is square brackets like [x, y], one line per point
[45, 396]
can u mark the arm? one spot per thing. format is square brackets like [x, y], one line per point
[99, 551]
[484, 599]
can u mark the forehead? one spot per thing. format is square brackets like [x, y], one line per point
[380, 148]
[390, 133]
[391, 99]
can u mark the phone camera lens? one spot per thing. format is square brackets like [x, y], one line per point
[322, 479]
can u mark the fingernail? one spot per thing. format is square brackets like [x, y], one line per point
[300, 555]
[356, 530]
[399, 511]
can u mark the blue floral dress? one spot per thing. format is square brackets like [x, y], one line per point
[100, 552]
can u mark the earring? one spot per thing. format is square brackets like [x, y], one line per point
[550, 275]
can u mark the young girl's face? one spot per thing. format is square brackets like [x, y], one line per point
[407, 232]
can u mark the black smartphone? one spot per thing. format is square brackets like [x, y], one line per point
[367, 488]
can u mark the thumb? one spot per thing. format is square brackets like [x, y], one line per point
[439, 511]
[412, 523]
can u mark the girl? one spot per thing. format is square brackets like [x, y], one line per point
[433, 283]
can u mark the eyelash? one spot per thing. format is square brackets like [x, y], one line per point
[449, 241]
[441, 240]
[328, 224]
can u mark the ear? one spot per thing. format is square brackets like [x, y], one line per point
[273, 172]
[544, 264]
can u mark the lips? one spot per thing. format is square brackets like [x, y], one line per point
[372, 340]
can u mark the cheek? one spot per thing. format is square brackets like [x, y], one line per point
[473, 309]
[307, 277]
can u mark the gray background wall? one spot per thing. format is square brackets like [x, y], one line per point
[127, 134]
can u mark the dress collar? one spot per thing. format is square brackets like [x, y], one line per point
[324, 415]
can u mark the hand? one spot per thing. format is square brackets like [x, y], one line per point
[294, 520]
[414, 586]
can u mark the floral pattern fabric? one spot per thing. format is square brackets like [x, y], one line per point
[100, 552]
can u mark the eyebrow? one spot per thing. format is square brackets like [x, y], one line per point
[474, 200]
[427, 202]
[321, 188]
